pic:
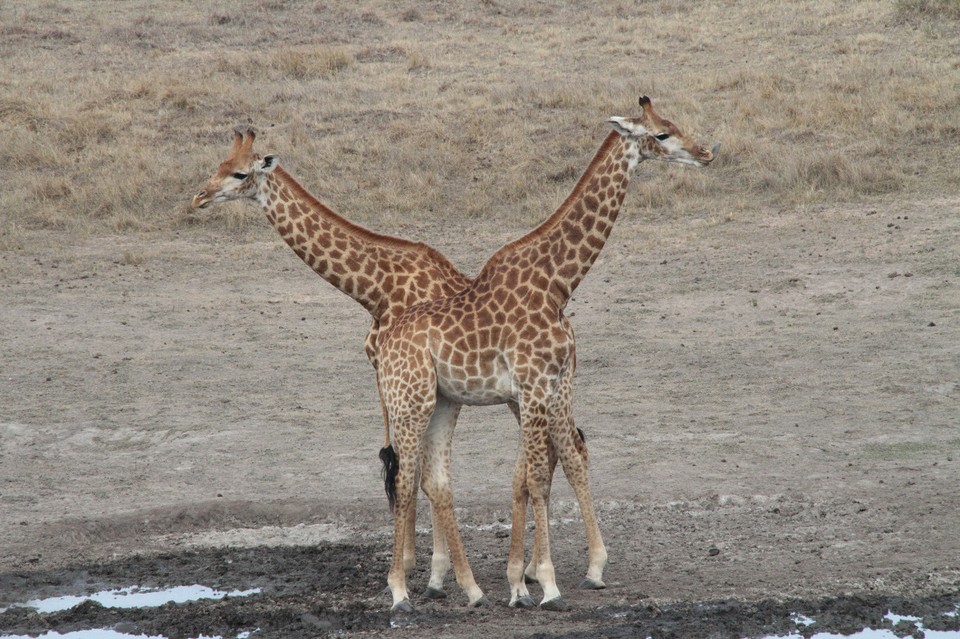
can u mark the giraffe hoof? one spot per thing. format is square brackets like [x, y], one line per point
[482, 602]
[403, 607]
[526, 602]
[434, 593]
[591, 584]
[556, 605]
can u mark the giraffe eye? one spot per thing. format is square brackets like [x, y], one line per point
[240, 176]
[662, 136]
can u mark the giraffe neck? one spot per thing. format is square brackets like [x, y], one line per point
[339, 251]
[566, 245]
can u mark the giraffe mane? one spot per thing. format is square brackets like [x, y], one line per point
[353, 228]
[612, 138]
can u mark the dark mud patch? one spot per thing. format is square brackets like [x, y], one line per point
[303, 590]
[723, 619]
[337, 590]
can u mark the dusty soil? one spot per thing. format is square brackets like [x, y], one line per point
[771, 406]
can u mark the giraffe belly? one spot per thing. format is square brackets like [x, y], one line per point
[475, 385]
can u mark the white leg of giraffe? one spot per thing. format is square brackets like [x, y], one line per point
[436, 466]
[436, 484]
[439, 563]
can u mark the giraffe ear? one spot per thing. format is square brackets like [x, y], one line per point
[627, 126]
[269, 163]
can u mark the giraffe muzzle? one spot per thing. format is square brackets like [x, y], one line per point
[709, 156]
[200, 200]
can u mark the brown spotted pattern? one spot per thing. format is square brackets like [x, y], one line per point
[384, 274]
[504, 339]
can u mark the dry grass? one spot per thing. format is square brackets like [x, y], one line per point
[918, 10]
[410, 113]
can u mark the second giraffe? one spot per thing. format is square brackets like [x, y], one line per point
[504, 339]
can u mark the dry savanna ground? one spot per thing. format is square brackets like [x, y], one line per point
[768, 348]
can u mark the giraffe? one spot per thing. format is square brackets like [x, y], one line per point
[384, 274]
[504, 339]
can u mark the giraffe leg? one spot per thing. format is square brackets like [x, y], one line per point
[519, 595]
[440, 563]
[386, 419]
[436, 484]
[409, 409]
[530, 574]
[572, 452]
[437, 447]
[406, 496]
[410, 534]
[535, 440]
[520, 497]
[516, 576]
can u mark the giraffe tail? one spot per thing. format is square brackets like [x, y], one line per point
[390, 466]
[581, 445]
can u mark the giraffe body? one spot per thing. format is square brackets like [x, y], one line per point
[504, 338]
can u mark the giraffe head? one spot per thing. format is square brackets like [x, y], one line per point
[238, 176]
[660, 139]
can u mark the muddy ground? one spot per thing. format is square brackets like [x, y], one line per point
[771, 404]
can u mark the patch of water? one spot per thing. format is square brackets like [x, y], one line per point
[136, 597]
[103, 633]
[132, 597]
[871, 633]
[801, 620]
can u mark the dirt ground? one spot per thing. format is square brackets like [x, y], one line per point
[771, 404]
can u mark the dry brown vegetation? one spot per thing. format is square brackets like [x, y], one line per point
[421, 113]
